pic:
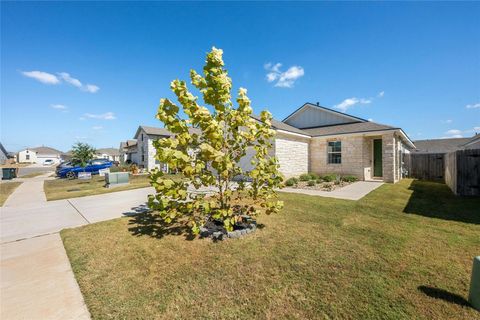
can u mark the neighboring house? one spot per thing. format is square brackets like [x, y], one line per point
[145, 152]
[128, 151]
[3, 154]
[27, 156]
[111, 154]
[472, 143]
[439, 145]
[39, 155]
[320, 140]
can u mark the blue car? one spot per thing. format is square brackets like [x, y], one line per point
[71, 170]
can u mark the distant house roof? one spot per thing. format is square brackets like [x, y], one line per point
[471, 141]
[347, 128]
[439, 145]
[3, 150]
[46, 151]
[161, 132]
[109, 151]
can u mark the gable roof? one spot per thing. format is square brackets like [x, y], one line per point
[320, 108]
[347, 128]
[3, 150]
[46, 150]
[474, 139]
[161, 132]
[439, 145]
[153, 131]
[109, 151]
[282, 126]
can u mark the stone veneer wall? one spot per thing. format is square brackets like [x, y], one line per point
[357, 156]
[292, 154]
[352, 156]
[389, 149]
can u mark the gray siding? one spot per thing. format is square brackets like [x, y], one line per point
[314, 117]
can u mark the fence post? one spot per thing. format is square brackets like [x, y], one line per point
[474, 296]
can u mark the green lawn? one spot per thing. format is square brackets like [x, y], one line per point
[64, 188]
[405, 251]
[6, 189]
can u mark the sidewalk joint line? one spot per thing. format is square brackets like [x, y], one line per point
[78, 211]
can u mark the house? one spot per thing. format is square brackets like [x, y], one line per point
[39, 155]
[111, 154]
[128, 151]
[439, 145]
[472, 143]
[321, 140]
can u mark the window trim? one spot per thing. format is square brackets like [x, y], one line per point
[334, 152]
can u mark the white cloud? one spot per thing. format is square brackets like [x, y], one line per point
[283, 79]
[97, 127]
[77, 83]
[453, 132]
[91, 88]
[43, 77]
[476, 129]
[103, 116]
[350, 102]
[370, 119]
[59, 107]
[473, 106]
[448, 121]
[381, 94]
[65, 77]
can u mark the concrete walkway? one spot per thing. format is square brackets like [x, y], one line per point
[354, 191]
[36, 277]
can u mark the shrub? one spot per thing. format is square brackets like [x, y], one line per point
[291, 182]
[305, 177]
[314, 176]
[311, 183]
[329, 177]
[319, 180]
[349, 178]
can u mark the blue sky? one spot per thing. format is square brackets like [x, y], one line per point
[101, 68]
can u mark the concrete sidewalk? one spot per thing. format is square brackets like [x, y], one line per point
[37, 281]
[354, 191]
[36, 277]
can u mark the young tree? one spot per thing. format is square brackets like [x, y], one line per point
[207, 147]
[82, 153]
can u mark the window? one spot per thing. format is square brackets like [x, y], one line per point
[27, 157]
[143, 157]
[334, 151]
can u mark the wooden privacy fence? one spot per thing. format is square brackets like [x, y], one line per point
[460, 170]
[425, 166]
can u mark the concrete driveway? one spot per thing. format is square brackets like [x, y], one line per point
[36, 277]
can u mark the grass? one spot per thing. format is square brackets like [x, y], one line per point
[403, 252]
[6, 189]
[33, 174]
[63, 188]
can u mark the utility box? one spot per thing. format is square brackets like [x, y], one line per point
[474, 296]
[113, 179]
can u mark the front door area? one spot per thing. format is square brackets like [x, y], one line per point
[377, 158]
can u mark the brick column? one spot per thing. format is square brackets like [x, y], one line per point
[388, 157]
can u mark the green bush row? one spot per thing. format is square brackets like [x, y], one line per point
[314, 178]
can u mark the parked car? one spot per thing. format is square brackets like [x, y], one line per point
[71, 170]
[48, 162]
